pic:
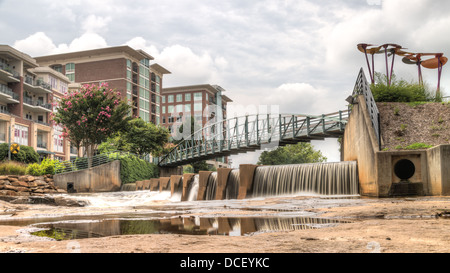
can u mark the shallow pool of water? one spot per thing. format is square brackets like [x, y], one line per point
[226, 226]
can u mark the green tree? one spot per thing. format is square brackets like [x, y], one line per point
[141, 138]
[291, 154]
[90, 115]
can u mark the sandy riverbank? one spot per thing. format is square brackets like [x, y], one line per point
[403, 225]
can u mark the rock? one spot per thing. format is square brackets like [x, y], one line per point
[3, 182]
[61, 201]
[3, 177]
[19, 183]
[12, 179]
[40, 183]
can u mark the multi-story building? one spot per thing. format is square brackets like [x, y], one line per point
[26, 93]
[29, 85]
[202, 102]
[125, 69]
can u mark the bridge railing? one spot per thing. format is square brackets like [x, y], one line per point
[362, 87]
[249, 132]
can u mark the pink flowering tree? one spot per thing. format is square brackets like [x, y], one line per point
[90, 115]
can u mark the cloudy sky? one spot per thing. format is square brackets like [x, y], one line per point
[298, 54]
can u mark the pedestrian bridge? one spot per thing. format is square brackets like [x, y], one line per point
[254, 132]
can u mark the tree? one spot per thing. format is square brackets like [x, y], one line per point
[90, 115]
[141, 138]
[291, 154]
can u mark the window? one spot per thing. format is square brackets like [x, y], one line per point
[179, 108]
[163, 109]
[163, 99]
[170, 109]
[21, 134]
[63, 87]
[171, 120]
[187, 97]
[170, 98]
[198, 106]
[57, 68]
[198, 96]
[179, 97]
[53, 82]
[70, 68]
[163, 120]
[187, 108]
[58, 139]
[129, 64]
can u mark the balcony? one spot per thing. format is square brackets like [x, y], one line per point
[7, 74]
[38, 87]
[42, 123]
[36, 106]
[42, 145]
[7, 95]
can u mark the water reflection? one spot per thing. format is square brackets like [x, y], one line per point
[227, 226]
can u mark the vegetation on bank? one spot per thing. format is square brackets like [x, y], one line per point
[401, 91]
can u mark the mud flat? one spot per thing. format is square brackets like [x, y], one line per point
[400, 225]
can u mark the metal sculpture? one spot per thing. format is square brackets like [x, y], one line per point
[372, 51]
[437, 61]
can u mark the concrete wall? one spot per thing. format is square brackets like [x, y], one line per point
[202, 184]
[360, 144]
[246, 174]
[439, 170]
[222, 180]
[104, 178]
[376, 168]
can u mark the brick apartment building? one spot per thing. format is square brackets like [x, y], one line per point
[125, 69]
[202, 102]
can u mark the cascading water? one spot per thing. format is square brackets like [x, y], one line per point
[211, 187]
[338, 178]
[193, 189]
[232, 189]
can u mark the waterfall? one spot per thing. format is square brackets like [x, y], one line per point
[211, 187]
[338, 178]
[193, 189]
[232, 189]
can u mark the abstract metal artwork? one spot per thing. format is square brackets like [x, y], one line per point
[426, 60]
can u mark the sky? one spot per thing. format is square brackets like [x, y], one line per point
[300, 55]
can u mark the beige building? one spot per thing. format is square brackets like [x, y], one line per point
[26, 94]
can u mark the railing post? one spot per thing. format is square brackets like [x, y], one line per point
[308, 123]
[279, 126]
[340, 120]
[236, 127]
[257, 130]
[246, 131]
[323, 124]
[294, 122]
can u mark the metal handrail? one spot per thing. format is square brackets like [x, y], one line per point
[362, 87]
[82, 163]
[250, 131]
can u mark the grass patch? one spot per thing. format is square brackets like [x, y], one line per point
[417, 146]
[13, 168]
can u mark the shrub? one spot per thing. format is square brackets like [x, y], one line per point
[26, 154]
[133, 169]
[401, 91]
[12, 167]
[47, 166]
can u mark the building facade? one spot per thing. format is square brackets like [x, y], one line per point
[26, 93]
[125, 69]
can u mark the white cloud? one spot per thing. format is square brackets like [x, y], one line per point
[40, 44]
[95, 24]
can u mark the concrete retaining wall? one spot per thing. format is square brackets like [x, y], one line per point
[376, 173]
[104, 178]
